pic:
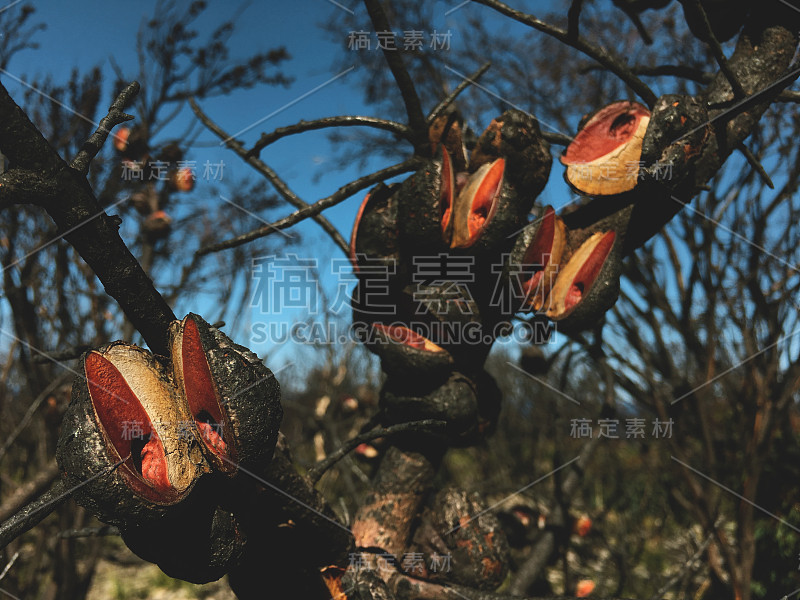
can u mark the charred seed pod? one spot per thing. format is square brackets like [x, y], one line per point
[603, 159]
[588, 284]
[198, 543]
[425, 202]
[534, 262]
[726, 17]
[447, 314]
[487, 211]
[515, 136]
[125, 411]
[233, 399]
[477, 546]
[375, 230]
[411, 399]
[403, 351]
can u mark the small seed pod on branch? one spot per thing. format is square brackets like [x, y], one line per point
[181, 180]
[412, 399]
[375, 230]
[447, 313]
[125, 410]
[198, 543]
[588, 284]
[233, 399]
[157, 225]
[476, 545]
[535, 260]
[604, 157]
[515, 136]
[404, 351]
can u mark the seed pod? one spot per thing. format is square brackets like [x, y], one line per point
[375, 230]
[460, 522]
[515, 137]
[231, 396]
[446, 130]
[604, 157]
[181, 180]
[535, 260]
[157, 225]
[449, 316]
[198, 543]
[588, 284]
[726, 17]
[125, 411]
[412, 399]
[403, 351]
[424, 203]
[487, 211]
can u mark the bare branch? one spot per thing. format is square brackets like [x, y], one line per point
[313, 210]
[598, 53]
[342, 121]
[318, 470]
[278, 183]
[114, 117]
[416, 118]
[439, 108]
[713, 44]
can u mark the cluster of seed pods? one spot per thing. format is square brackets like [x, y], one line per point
[154, 445]
[431, 329]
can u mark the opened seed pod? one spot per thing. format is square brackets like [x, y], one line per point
[487, 211]
[425, 202]
[413, 399]
[448, 314]
[375, 233]
[515, 137]
[588, 284]
[458, 524]
[198, 543]
[604, 157]
[535, 260]
[233, 399]
[404, 351]
[125, 411]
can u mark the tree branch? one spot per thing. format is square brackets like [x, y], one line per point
[416, 118]
[598, 53]
[439, 108]
[713, 44]
[318, 470]
[313, 210]
[341, 121]
[68, 199]
[114, 117]
[271, 176]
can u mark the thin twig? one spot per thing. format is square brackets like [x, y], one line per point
[278, 183]
[9, 565]
[416, 118]
[30, 412]
[598, 53]
[341, 121]
[468, 81]
[114, 117]
[574, 18]
[313, 210]
[716, 49]
[32, 514]
[756, 164]
[687, 565]
[315, 472]
[103, 530]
